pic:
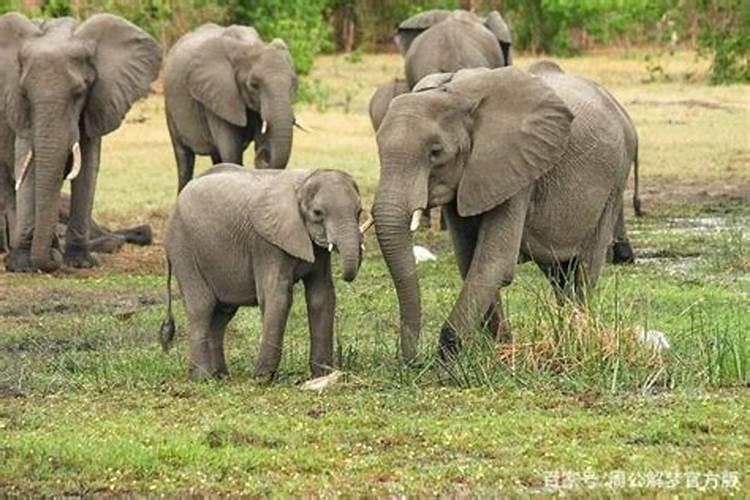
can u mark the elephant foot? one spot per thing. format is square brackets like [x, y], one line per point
[622, 253]
[449, 345]
[79, 257]
[263, 376]
[139, 235]
[107, 244]
[19, 261]
[199, 373]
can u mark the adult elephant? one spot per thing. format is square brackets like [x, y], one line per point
[64, 85]
[620, 250]
[525, 166]
[225, 87]
[443, 41]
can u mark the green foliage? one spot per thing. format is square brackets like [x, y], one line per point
[300, 23]
[725, 34]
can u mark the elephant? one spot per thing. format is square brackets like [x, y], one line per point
[223, 88]
[452, 40]
[382, 97]
[441, 41]
[244, 237]
[64, 85]
[526, 167]
[620, 251]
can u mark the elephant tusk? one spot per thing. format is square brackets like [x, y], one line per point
[362, 247]
[301, 127]
[330, 247]
[24, 170]
[264, 127]
[366, 225]
[415, 219]
[76, 162]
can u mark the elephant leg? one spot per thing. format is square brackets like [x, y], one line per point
[594, 252]
[622, 251]
[7, 206]
[563, 278]
[215, 158]
[495, 254]
[184, 157]
[320, 296]
[464, 233]
[19, 257]
[274, 284]
[77, 253]
[227, 139]
[222, 315]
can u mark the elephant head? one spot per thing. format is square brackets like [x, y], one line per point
[65, 83]
[474, 138]
[411, 28]
[232, 75]
[321, 208]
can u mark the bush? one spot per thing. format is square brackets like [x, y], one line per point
[300, 23]
[725, 34]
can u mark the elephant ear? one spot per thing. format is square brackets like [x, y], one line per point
[211, 79]
[497, 25]
[127, 60]
[14, 30]
[275, 215]
[411, 28]
[520, 130]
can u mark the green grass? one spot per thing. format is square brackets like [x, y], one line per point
[90, 404]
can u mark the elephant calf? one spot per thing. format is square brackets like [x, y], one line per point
[240, 237]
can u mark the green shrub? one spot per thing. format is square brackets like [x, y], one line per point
[300, 23]
[725, 34]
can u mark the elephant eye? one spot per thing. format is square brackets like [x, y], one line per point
[436, 152]
[317, 214]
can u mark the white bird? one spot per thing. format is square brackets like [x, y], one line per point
[321, 383]
[655, 339]
[421, 254]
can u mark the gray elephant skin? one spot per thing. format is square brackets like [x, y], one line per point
[525, 166]
[223, 88]
[244, 237]
[620, 250]
[443, 41]
[64, 85]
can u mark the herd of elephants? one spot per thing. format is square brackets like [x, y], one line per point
[525, 164]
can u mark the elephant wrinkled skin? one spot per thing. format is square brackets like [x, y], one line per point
[223, 88]
[64, 85]
[525, 166]
[244, 237]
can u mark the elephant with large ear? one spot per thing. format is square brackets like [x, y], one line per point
[64, 85]
[223, 88]
[620, 251]
[441, 41]
[244, 237]
[525, 166]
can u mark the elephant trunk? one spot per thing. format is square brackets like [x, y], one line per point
[51, 154]
[392, 213]
[280, 122]
[349, 243]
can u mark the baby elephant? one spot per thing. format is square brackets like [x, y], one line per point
[243, 237]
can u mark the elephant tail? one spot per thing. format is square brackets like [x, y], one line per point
[636, 197]
[167, 330]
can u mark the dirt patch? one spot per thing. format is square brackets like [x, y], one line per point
[687, 103]
[49, 345]
[35, 301]
[655, 194]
